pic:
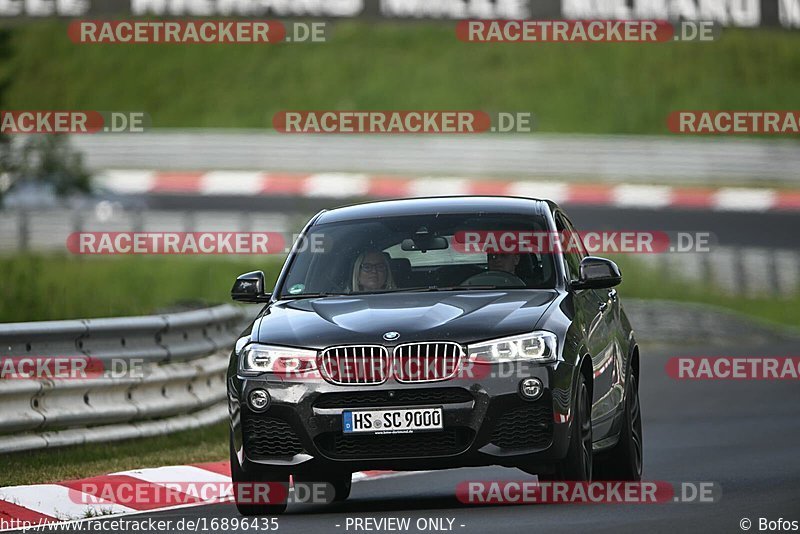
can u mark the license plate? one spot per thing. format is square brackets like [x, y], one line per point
[392, 420]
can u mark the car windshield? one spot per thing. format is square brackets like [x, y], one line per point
[414, 253]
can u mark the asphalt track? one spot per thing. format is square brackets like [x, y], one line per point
[742, 435]
[739, 229]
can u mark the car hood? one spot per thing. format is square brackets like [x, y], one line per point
[464, 317]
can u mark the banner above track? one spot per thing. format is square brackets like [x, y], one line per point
[733, 13]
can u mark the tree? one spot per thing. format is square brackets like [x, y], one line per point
[5, 142]
[50, 159]
[40, 158]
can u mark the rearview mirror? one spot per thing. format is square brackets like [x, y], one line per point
[249, 287]
[597, 273]
[424, 243]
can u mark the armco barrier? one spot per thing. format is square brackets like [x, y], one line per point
[179, 380]
[156, 338]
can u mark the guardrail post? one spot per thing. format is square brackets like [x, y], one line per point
[24, 230]
[189, 221]
[77, 220]
[137, 220]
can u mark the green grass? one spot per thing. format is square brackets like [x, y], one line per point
[208, 444]
[41, 288]
[595, 88]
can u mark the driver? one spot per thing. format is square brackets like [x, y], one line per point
[371, 272]
[503, 262]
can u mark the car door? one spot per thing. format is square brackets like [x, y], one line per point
[603, 311]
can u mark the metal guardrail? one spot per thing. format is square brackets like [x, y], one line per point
[155, 338]
[570, 157]
[180, 385]
[736, 271]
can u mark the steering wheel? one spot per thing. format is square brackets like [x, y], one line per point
[494, 278]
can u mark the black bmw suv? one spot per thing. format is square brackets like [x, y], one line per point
[429, 334]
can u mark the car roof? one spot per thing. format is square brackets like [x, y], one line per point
[444, 205]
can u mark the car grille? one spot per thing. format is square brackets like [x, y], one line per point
[267, 436]
[357, 364]
[407, 397]
[426, 362]
[371, 364]
[422, 444]
[525, 427]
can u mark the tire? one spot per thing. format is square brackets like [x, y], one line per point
[238, 476]
[342, 482]
[577, 464]
[624, 460]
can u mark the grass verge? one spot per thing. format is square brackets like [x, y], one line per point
[621, 88]
[50, 287]
[192, 446]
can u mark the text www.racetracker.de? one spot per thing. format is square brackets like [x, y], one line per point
[200, 524]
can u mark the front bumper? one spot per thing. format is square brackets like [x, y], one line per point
[486, 422]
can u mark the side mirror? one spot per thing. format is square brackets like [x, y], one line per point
[249, 287]
[597, 273]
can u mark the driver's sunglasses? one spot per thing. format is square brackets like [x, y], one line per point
[373, 267]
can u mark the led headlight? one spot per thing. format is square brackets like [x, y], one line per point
[256, 358]
[532, 347]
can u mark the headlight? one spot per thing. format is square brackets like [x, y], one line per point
[533, 347]
[286, 361]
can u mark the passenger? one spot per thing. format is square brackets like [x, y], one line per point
[371, 272]
[503, 262]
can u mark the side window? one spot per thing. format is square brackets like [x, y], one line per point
[573, 248]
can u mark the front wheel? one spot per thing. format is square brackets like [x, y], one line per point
[244, 490]
[577, 465]
[341, 482]
[624, 461]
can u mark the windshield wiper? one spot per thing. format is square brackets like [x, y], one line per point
[430, 288]
[454, 288]
[312, 295]
[396, 290]
[420, 289]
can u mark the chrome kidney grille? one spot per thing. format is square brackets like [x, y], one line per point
[355, 364]
[371, 364]
[427, 361]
